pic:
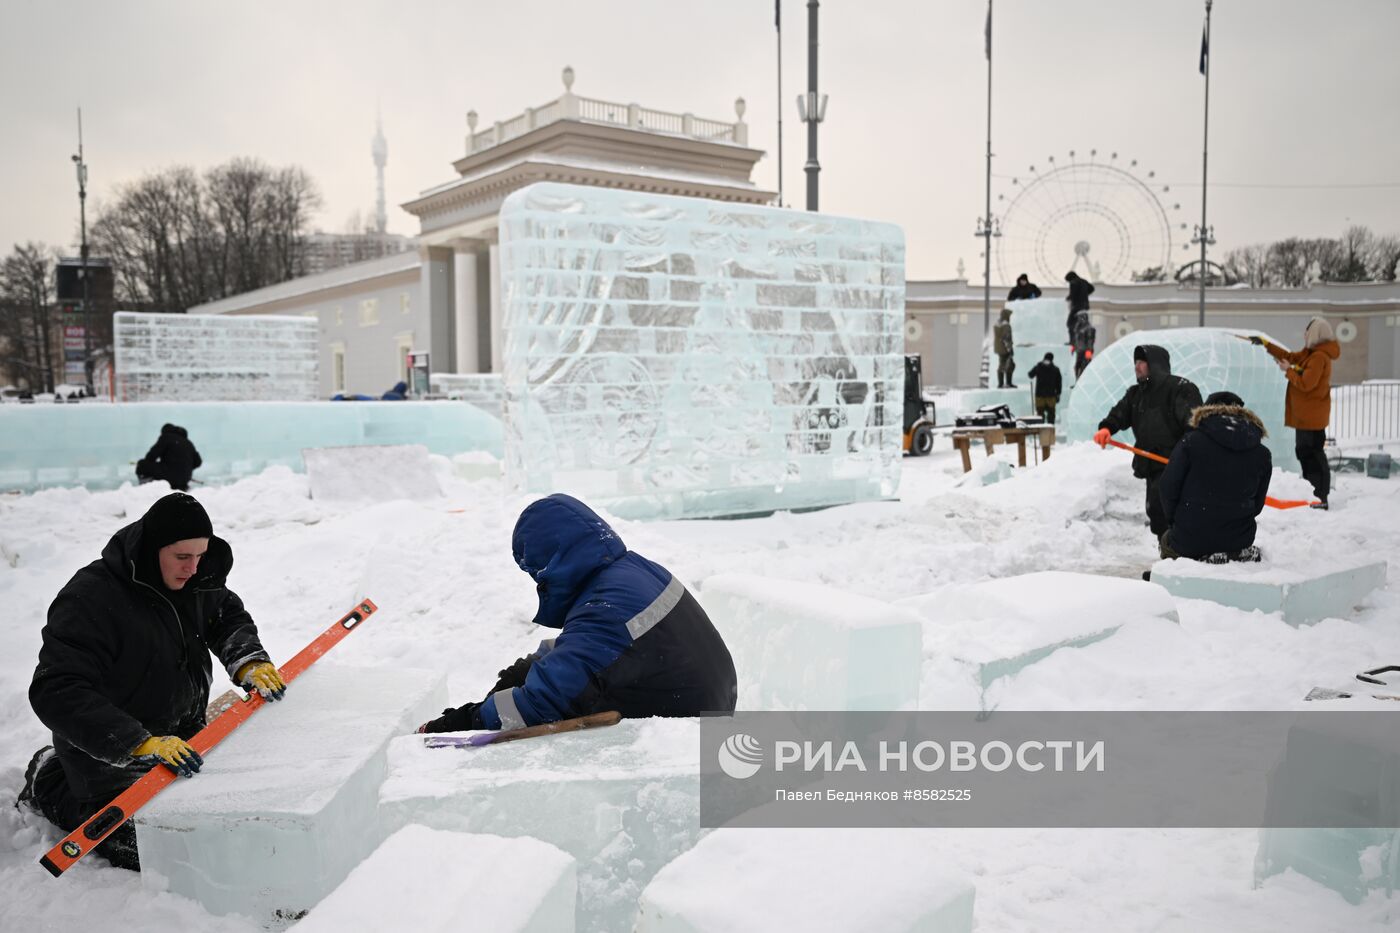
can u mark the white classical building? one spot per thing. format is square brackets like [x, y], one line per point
[443, 296]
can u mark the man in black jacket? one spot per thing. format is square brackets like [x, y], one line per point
[1048, 381]
[172, 458]
[1158, 410]
[1078, 298]
[1024, 289]
[123, 676]
[1215, 485]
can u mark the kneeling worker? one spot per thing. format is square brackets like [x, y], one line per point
[124, 673]
[632, 639]
[1214, 485]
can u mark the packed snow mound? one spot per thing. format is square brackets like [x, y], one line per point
[370, 474]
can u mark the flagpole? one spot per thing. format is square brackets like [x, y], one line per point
[987, 218]
[778, 24]
[1205, 235]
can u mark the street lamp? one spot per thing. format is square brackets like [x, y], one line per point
[987, 228]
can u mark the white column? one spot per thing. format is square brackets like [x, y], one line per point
[465, 309]
[497, 329]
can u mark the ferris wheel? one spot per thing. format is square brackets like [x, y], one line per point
[1101, 218]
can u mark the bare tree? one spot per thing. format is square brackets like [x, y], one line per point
[179, 240]
[1249, 264]
[29, 318]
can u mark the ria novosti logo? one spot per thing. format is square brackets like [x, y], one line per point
[740, 756]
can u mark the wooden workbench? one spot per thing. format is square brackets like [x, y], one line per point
[990, 437]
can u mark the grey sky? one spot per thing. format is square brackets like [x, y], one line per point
[1303, 92]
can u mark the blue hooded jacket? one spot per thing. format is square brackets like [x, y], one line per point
[631, 639]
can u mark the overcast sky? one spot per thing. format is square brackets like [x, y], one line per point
[1303, 93]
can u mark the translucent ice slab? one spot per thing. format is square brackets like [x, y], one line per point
[97, 445]
[432, 881]
[837, 880]
[1211, 357]
[1000, 627]
[214, 357]
[286, 806]
[808, 646]
[370, 474]
[623, 801]
[1336, 759]
[675, 357]
[1324, 589]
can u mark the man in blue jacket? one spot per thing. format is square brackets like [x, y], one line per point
[632, 638]
[1214, 486]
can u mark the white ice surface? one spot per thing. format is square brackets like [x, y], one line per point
[452, 599]
[677, 357]
[285, 807]
[807, 646]
[838, 880]
[431, 881]
[622, 800]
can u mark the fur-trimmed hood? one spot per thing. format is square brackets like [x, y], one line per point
[1232, 426]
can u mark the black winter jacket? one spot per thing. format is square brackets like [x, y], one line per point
[1217, 479]
[1047, 378]
[1079, 292]
[1157, 410]
[119, 663]
[1021, 292]
[172, 458]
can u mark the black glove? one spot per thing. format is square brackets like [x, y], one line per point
[460, 719]
[513, 676]
[1257, 340]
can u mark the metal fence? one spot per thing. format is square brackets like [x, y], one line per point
[1366, 412]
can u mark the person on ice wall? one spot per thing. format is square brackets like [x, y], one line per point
[1024, 289]
[123, 676]
[172, 458]
[1005, 345]
[1158, 409]
[1214, 487]
[1078, 300]
[1307, 408]
[632, 638]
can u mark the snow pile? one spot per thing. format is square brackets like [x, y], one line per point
[372, 474]
[451, 600]
[431, 881]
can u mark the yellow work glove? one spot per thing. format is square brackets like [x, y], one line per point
[174, 752]
[262, 677]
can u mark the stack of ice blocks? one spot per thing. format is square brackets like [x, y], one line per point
[1327, 588]
[680, 357]
[286, 806]
[623, 801]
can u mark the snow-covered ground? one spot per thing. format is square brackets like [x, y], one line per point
[451, 598]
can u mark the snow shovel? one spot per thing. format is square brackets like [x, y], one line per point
[1268, 500]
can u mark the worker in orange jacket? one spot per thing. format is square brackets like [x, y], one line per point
[1307, 408]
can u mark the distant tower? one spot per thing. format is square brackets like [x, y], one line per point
[380, 149]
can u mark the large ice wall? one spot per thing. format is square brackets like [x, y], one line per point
[286, 806]
[672, 357]
[1213, 358]
[97, 445]
[212, 357]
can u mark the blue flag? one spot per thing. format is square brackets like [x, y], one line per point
[1205, 48]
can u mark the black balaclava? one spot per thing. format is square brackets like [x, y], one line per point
[175, 517]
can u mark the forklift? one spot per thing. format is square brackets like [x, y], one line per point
[918, 414]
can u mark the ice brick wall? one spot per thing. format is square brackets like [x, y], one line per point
[211, 357]
[484, 390]
[1037, 328]
[672, 357]
[1212, 358]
